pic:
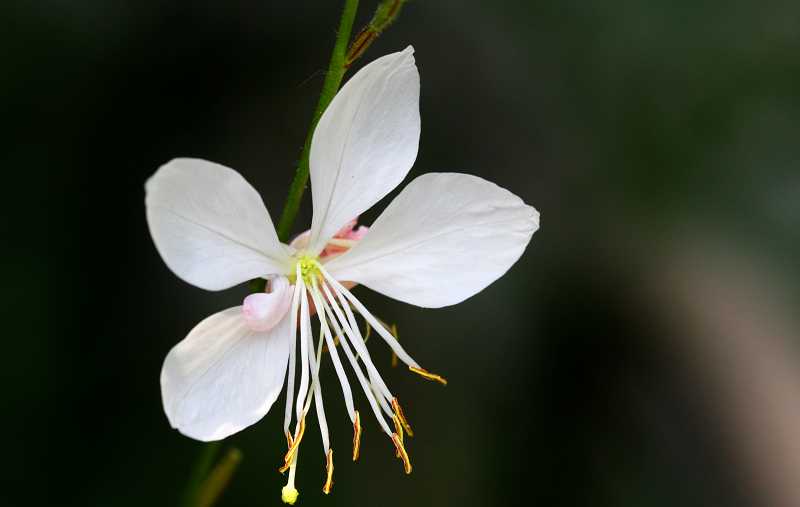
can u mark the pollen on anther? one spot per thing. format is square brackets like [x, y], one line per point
[356, 436]
[287, 459]
[401, 453]
[329, 469]
[428, 375]
[398, 410]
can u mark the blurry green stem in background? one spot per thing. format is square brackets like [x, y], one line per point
[207, 484]
[200, 472]
[218, 479]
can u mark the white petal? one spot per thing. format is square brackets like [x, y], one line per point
[365, 143]
[210, 226]
[223, 376]
[444, 238]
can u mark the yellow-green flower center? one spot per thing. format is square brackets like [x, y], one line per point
[309, 269]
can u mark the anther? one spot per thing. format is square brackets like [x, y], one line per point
[428, 375]
[356, 436]
[398, 430]
[287, 460]
[398, 410]
[401, 453]
[329, 468]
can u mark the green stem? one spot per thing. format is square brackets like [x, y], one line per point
[333, 78]
[199, 473]
[386, 14]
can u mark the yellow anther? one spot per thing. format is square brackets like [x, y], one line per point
[287, 459]
[356, 436]
[329, 468]
[398, 431]
[401, 452]
[398, 410]
[289, 495]
[289, 440]
[428, 375]
[398, 427]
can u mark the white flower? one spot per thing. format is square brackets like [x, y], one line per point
[444, 238]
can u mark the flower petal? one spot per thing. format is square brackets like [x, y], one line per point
[210, 226]
[223, 376]
[444, 238]
[365, 143]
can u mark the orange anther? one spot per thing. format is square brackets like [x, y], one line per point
[401, 453]
[356, 436]
[398, 410]
[329, 468]
[428, 375]
[287, 459]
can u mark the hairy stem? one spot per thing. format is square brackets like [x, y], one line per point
[333, 78]
[386, 13]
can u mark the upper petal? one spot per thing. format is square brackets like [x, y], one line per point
[223, 376]
[365, 143]
[210, 226]
[444, 238]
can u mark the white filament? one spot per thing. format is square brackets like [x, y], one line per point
[305, 322]
[287, 418]
[314, 365]
[361, 348]
[337, 363]
[385, 334]
[353, 362]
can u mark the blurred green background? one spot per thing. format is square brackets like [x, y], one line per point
[643, 352]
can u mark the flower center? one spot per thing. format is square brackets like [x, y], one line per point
[309, 269]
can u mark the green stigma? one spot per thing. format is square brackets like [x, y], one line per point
[309, 269]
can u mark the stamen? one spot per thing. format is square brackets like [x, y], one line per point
[382, 400]
[287, 459]
[349, 353]
[390, 340]
[428, 375]
[401, 453]
[337, 364]
[356, 436]
[346, 243]
[329, 468]
[287, 418]
[305, 322]
[398, 429]
[398, 410]
[315, 385]
[354, 333]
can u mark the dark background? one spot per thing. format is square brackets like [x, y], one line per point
[641, 353]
